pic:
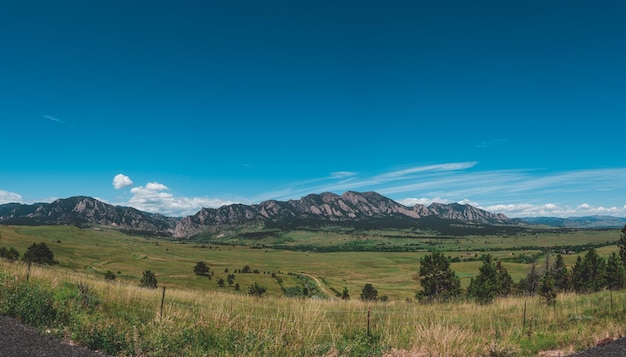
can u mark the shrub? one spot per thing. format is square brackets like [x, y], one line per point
[30, 304]
[103, 338]
[109, 275]
[256, 290]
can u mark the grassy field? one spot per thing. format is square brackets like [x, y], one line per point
[200, 318]
[123, 319]
[392, 273]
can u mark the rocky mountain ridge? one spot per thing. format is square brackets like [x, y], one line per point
[325, 207]
[84, 211]
[330, 207]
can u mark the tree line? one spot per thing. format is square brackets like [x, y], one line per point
[591, 273]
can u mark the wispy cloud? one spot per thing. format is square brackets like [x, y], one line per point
[377, 182]
[340, 175]
[513, 192]
[54, 119]
[491, 143]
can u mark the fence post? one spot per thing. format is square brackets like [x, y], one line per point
[162, 302]
[524, 323]
[368, 321]
[28, 273]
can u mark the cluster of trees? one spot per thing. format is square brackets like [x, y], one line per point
[590, 273]
[37, 253]
[10, 254]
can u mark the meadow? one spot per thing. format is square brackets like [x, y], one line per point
[200, 318]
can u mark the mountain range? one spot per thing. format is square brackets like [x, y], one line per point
[350, 208]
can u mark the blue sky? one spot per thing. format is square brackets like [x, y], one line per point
[516, 107]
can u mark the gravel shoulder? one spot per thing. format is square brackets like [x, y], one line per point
[616, 348]
[17, 340]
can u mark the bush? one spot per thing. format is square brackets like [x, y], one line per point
[103, 338]
[256, 290]
[30, 304]
[109, 275]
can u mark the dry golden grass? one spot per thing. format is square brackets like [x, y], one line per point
[243, 325]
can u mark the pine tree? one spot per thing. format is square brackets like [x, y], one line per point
[345, 295]
[40, 254]
[484, 287]
[149, 280]
[547, 289]
[615, 273]
[561, 275]
[622, 246]
[438, 281]
[589, 273]
[504, 281]
[369, 293]
[201, 269]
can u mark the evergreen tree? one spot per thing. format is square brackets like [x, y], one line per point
[149, 280]
[201, 269]
[622, 246]
[504, 282]
[530, 283]
[484, 287]
[10, 254]
[547, 290]
[561, 275]
[437, 279]
[369, 293]
[615, 273]
[40, 254]
[345, 295]
[589, 273]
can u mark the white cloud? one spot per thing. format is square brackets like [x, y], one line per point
[340, 175]
[121, 181]
[410, 202]
[53, 119]
[468, 202]
[555, 210]
[9, 197]
[400, 174]
[155, 197]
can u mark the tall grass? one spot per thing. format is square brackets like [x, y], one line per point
[127, 320]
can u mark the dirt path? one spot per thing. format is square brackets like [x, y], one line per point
[17, 340]
[321, 285]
